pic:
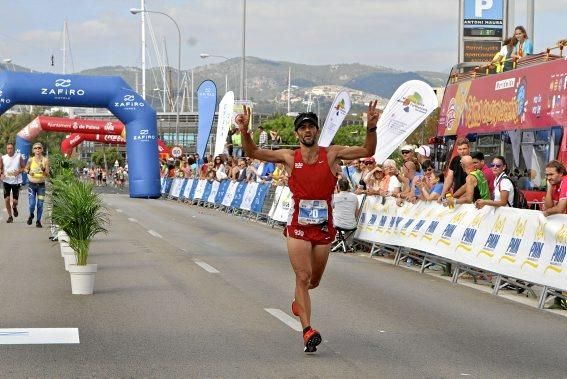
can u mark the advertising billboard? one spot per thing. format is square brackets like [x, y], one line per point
[483, 18]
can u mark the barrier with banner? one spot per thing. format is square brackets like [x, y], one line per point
[239, 195]
[512, 242]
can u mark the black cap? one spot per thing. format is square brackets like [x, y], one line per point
[308, 116]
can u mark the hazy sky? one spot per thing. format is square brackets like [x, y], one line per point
[403, 34]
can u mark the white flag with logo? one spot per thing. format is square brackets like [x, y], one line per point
[406, 110]
[225, 119]
[335, 117]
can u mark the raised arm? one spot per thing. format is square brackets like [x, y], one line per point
[253, 151]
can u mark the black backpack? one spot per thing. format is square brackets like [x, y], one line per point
[519, 200]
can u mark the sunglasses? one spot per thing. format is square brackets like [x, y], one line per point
[406, 151]
[497, 165]
[368, 162]
[429, 169]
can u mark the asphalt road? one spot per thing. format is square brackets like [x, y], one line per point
[158, 312]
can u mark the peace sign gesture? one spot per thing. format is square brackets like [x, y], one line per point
[373, 114]
[243, 119]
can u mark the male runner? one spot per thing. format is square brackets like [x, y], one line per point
[312, 181]
[11, 168]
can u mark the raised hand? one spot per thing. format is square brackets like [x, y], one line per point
[373, 114]
[243, 119]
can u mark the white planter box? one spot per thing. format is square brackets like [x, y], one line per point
[82, 279]
[62, 236]
[65, 249]
[70, 259]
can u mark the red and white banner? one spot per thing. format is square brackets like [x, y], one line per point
[68, 125]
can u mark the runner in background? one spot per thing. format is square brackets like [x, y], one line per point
[11, 168]
[309, 230]
[37, 169]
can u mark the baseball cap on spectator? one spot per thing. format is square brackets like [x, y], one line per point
[424, 150]
[307, 116]
[406, 148]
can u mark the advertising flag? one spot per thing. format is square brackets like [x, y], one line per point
[225, 119]
[337, 113]
[408, 107]
[207, 103]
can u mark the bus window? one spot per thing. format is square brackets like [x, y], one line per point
[535, 152]
[489, 145]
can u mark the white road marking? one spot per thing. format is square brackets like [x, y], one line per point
[119, 210]
[207, 267]
[154, 233]
[132, 219]
[39, 336]
[285, 318]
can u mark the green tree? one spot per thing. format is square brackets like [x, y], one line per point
[10, 125]
[112, 154]
[427, 129]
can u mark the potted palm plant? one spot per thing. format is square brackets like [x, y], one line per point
[80, 213]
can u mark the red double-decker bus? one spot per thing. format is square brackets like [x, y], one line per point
[520, 114]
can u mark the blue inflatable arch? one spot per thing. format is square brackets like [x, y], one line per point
[110, 92]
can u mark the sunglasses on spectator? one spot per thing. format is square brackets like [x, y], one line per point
[429, 169]
[497, 165]
[406, 151]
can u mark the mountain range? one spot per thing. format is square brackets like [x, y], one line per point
[267, 81]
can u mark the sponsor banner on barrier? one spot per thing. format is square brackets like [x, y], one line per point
[248, 197]
[187, 189]
[283, 206]
[207, 190]
[238, 195]
[226, 107]
[229, 196]
[260, 197]
[193, 189]
[163, 182]
[214, 189]
[337, 113]
[200, 189]
[412, 102]
[277, 196]
[513, 242]
[223, 187]
[175, 190]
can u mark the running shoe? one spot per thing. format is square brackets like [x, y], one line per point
[30, 219]
[38, 224]
[10, 220]
[311, 338]
[294, 308]
[15, 209]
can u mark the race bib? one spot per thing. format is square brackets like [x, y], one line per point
[312, 212]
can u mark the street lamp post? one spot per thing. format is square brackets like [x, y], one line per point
[177, 107]
[205, 56]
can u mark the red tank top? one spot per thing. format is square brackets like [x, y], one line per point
[311, 182]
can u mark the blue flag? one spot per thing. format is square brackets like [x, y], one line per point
[207, 103]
